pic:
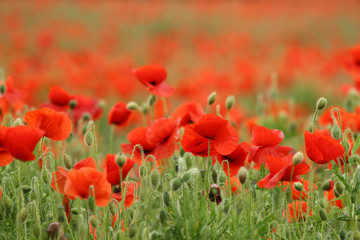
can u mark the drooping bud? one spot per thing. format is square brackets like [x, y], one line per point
[230, 101]
[36, 230]
[222, 177]
[321, 103]
[33, 195]
[298, 158]
[45, 176]
[151, 100]
[298, 186]
[327, 185]
[142, 171]
[322, 214]
[72, 104]
[67, 161]
[335, 132]
[211, 98]
[89, 138]
[214, 175]
[186, 177]
[132, 106]
[155, 178]
[243, 175]
[120, 159]
[25, 188]
[342, 234]
[94, 221]
[162, 216]
[176, 184]
[339, 188]
[166, 198]
[215, 194]
[23, 215]
[132, 230]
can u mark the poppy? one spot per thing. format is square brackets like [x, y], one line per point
[322, 149]
[236, 158]
[157, 140]
[210, 127]
[85, 104]
[119, 115]
[153, 77]
[304, 193]
[187, 113]
[59, 96]
[18, 142]
[112, 170]
[266, 142]
[281, 169]
[129, 195]
[79, 181]
[57, 126]
[299, 213]
[13, 98]
[352, 62]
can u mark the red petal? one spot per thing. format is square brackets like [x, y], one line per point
[119, 115]
[87, 162]
[150, 75]
[162, 90]
[262, 136]
[160, 130]
[59, 96]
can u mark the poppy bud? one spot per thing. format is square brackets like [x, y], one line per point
[346, 145]
[25, 188]
[176, 184]
[335, 132]
[142, 171]
[2, 89]
[82, 231]
[45, 176]
[211, 98]
[8, 121]
[222, 177]
[243, 175]
[162, 216]
[323, 203]
[23, 215]
[54, 230]
[188, 161]
[230, 101]
[154, 235]
[75, 211]
[132, 106]
[214, 175]
[298, 186]
[36, 230]
[185, 177]
[321, 103]
[132, 230]
[18, 122]
[339, 188]
[327, 185]
[67, 161]
[72, 104]
[322, 214]
[298, 158]
[86, 116]
[89, 138]
[166, 198]
[33, 196]
[94, 221]
[120, 159]
[226, 205]
[355, 158]
[155, 178]
[353, 197]
[342, 234]
[203, 174]
[356, 235]
[91, 204]
[215, 194]
[151, 100]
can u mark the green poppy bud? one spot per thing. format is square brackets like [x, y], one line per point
[321, 103]
[151, 100]
[298, 158]
[322, 214]
[67, 161]
[155, 178]
[132, 106]
[2, 88]
[335, 132]
[166, 198]
[94, 221]
[214, 175]
[327, 185]
[120, 159]
[176, 184]
[211, 98]
[25, 188]
[18, 122]
[222, 177]
[186, 177]
[356, 235]
[72, 104]
[45, 174]
[162, 216]
[132, 230]
[89, 138]
[342, 234]
[339, 188]
[243, 175]
[230, 101]
[298, 186]
[36, 230]
[91, 203]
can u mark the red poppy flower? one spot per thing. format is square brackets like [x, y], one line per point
[236, 158]
[153, 77]
[112, 170]
[59, 96]
[129, 196]
[12, 98]
[352, 62]
[266, 142]
[322, 149]
[187, 113]
[280, 170]
[210, 127]
[85, 104]
[57, 126]
[18, 142]
[119, 115]
[299, 213]
[79, 181]
[157, 140]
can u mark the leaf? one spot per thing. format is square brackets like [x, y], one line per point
[356, 145]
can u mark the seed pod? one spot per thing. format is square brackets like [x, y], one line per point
[298, 158]
[321, 103]
[94, 221]
[132, 106]
[214, 176]
[243, 175]
[298, 186]
[339, 188]
[335, 132]
[176, 184]
[89, 138]
[162, 216]
[222, 177]
[155, 178]
[211, 98]
[67, 161]
[72, 104]
[166, 198]
[230, 101]
[186, 177]
[322, 214]
[120, 159]
[342, 234]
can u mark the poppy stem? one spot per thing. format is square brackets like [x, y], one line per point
[95, 146]
[207, 166]
[20, 202]
[165, 107]
[314, 121]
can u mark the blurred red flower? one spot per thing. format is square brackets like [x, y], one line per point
[112, 170]
[299, 213]
[187, 113]
[119, 115]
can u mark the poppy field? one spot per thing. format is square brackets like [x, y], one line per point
[179, 120]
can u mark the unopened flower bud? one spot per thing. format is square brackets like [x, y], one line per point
[18, 122]
[162, 216]
[355, 158]
[33, 195]
[327, 185]
[243, 175]
[288, 195]
[120, 159]
[132, 106]
[8, 204]
[86, 117]
[342, 234]
[214, 175]
[176, 184]
[215, 194]
[151, 100]
[72, 104]
[94, 221]
[36, 230]
[8, 121]
[339, 188]
[230, 101]
[166, 198]
[188, 161]
[142, 171]
[82, 231]
[322, 214]
[155, 178]
[186, 177]
[298, 186]
[211, 98]
[222, 177]
[113, 208]
[132, 230]
[45, 176]
[67, 161]
[25, 188]
[2, 88]
[321, 103]
[298, 158]
[89, 138]
[335, 132]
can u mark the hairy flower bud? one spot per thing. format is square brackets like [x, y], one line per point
[132, 106]
[321, 103]
[67, 161]
[89, 138]
[155, 178]
[335, 132]
[230, 101]
[211, 98]
[120, 159]
[94, 221]
[339, 188]
[298, 158]
[243, 175]
[186, 177]
[322, 214]
[214, 175]
[166, 198]
[176, 184]
[222, 177]
[298, 186]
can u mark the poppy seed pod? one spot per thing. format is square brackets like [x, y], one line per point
[155, 178]
[72, 104]
[211, 98]
[132, 106]
[335, 132]
[321, 103]
[120, 159]
[89, 138]
[230, 101]
[298, 158]
[339, 188]
[243, 175]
